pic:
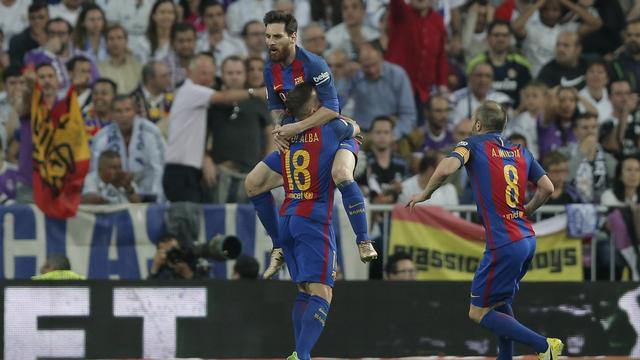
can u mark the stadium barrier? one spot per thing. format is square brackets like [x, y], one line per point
[117, 242]
[248, 319]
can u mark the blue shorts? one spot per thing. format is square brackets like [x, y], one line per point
[309, 250]
[273, 160]
[500, 271]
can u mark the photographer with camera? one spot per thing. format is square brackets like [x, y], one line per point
[173, 262]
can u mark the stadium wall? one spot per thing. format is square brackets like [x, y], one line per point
[246, 319]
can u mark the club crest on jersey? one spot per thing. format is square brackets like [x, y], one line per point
[299, 80]
[321, 78]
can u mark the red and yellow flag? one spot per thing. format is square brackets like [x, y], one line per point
[60, 154]
[446, 247]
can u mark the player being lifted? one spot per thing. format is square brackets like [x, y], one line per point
[289, 66]
[305, 228]
[511, 242]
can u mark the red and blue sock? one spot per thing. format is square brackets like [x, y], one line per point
[265, 206]
[311, 326]
[507, 326]
[353, 203]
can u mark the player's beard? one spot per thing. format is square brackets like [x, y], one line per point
[280, 55]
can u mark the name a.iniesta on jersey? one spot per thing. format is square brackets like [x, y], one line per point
[505, 153]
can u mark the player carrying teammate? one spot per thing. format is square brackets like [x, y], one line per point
[305, 229]
[499, 171]
[289, 66]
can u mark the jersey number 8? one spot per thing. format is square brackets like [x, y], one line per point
[299, 168]
[511, 192]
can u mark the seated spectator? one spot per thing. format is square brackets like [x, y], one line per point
[245, 268]
[79, 69]
[518, 139]
[171, 263]
[300, 9]
[240, 135]
[352, 31]
[216, 39]
[109, 184]
[57, 51]
[400, 267]
[57, 267]
[313, 38]
[191, 14]
[33, 36]
[140, 146]
[253, 38]
[255, 72]
[625, 66]
[462, 130]
[12, 21]
[445, 195]
[510, 70]
[134, 17]
[385, 168]
[8, 174]
[153, 100]
[326, 12]
[69, 10]
[182, 50]
[466, 100]
[540, 24]
[99, 112]
[620, 134]
[567, 68]
[596, 90]
[590, 167]
[157, 40]
[382, 88]
[338, 63]
[241, 12]
[626, 184]
[15, 85]
[533, 98]
[557, 167]
[556, 128]
[120, 66]
[89, 32]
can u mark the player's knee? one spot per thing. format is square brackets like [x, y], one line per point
[476, 314]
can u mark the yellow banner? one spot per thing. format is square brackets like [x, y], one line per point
[442, 254]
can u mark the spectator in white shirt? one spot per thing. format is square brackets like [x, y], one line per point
[242, 11]
[353, 31]
[66, 9]
[216, 39]
[445, 195]
[186, 163]
[109, 184]
[13, 20]
[132, 15]
[596, 90]
[156, 43]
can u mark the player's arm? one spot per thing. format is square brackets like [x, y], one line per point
[544, 190]
[446, 168]
[277, 115]
[319, 118]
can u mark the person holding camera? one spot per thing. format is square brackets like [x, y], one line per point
[109, 184]
[170, 262]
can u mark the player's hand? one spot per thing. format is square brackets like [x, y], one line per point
[286, 131]
[281, 144]
[415, 199]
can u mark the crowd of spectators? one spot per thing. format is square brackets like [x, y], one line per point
[410, 72]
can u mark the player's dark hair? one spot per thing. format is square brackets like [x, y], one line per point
[298, 98]
[584, 116]
[107, 155]
[11, 71]
[111, 83]
[75, 60]
[180, 28]
[429, 160]
[517, 136]
[247, 267]
[392, 262]
[281, 17]
[492, 116]
[553, 158]
[383, 118]
[496, 23]
[58, 262]
[207, 4]
[618, 186]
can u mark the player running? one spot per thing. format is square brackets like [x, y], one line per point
[305, 229]
[289, 66]
[498, 171]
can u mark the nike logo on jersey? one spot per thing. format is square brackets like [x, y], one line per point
[351, 206]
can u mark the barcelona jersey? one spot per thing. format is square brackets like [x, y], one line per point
[306, 171]
[306, 67]
[498, 172]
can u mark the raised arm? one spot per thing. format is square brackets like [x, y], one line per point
[590, 22]
[446, 168]
[518, 25]
[231, 96]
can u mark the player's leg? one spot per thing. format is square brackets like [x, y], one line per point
[342, 170]
[258, 185]
[313, 319]
[505, 345]
[494, 282]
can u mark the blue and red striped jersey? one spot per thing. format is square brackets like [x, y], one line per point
[499, 171]
[306, 67]
[306, 171]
